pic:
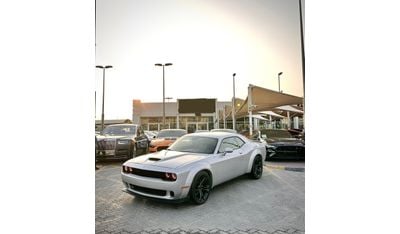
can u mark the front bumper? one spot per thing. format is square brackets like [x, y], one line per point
[155, 188]
[113, 154]
[286, 152]
[152, 198]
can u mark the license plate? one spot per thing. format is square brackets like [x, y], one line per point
[106, 152]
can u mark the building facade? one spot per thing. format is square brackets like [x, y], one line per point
[189, 114]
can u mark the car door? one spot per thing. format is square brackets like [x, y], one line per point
[141, 140]
[229, 165]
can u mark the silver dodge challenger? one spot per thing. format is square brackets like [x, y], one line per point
[192, 166]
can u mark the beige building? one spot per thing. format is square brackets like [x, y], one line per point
[189, 114]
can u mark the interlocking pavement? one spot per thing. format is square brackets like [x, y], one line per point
[273, 204]
[212, 231]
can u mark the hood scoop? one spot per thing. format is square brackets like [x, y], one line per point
[154, 159]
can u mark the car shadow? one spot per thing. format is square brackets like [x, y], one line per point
[186, 203]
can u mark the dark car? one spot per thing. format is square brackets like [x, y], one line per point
[121, 141]
[280, 144]
[297, 133]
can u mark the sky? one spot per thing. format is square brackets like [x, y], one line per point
[207, 41]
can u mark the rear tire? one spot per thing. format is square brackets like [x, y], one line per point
[201, 188]
[257, 168]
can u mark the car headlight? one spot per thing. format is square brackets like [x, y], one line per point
[124, 142]
[271, 148]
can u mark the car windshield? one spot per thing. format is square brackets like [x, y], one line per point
[195, 144]
[120, 130]
[272, 133]
[171, 133]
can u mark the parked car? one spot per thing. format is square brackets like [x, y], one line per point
[165, 138]
[223, 130]
[192, 166]
[121, 141]
[297, 133]
[150, 135]
[280, 144]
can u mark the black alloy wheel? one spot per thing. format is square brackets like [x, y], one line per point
[257, 168]
[201, 187]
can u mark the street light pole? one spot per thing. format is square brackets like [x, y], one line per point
[102, 105]
[163, 77]
[279, 81]
[233, 104]
[303, 63]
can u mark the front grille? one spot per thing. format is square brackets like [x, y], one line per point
[159, 148]
[122, 152]
[147, 173]
[105, 145]
[148, 190]
[287, 149]
[290, 150]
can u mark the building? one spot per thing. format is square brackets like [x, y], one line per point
[189, 114]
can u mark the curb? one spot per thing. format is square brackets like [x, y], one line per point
[286, 168]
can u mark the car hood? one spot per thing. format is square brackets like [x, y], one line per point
[163, 141]
[167, 159]
[285, 141]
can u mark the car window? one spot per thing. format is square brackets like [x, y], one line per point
[238, 141]
[119, 130]
[230, 142]
[195, 144]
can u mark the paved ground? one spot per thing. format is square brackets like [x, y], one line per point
[272, 204]
[286, 165]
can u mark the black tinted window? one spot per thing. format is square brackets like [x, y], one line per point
[120, 130]
[195, 144]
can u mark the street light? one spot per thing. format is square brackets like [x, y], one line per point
[279, 81]
[163, 78]
[233, 104]
[102, 105]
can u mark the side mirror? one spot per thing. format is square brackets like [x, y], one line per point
[227, 150]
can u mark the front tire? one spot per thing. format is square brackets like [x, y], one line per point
[257, 168]
[201, 187]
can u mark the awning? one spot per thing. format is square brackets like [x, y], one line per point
[258, 117]
[290, 109]
[265, 99]
[272, 114]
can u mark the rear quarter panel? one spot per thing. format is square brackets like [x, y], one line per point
[259, 149]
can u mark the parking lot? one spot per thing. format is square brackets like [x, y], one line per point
[272, 204]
